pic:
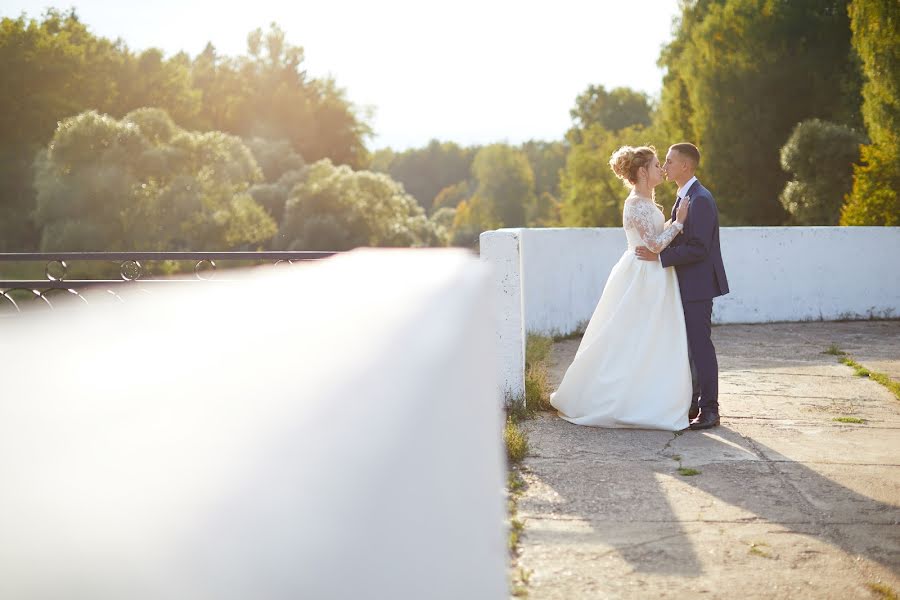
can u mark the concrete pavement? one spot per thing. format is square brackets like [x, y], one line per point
[788, 502]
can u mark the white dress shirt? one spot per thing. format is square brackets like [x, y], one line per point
[684, 189]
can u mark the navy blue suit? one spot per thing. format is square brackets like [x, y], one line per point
[697, 259]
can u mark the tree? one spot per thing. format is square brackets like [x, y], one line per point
[443, 219]
[741, 75]
[336, 208]
[820, 155]
[149, 80]
[282, 168]
[547, 160]
[505, 184]
[141, 183]
[546, 212]
[875, 199]
[425, 172]
[265, 93]
[59, 69]
[592, 196]
[46, 67]
[613, 110]
[472, 217]
[452, 195]
[675, 113]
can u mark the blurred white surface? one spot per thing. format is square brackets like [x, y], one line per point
[319, 431]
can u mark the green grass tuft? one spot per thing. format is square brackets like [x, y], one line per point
[520, 580]
[757, 549]
[883, 591]
[887, 382]
[855, 420]
[861, 371]
[516, 442]
[537, 378]
[537, 349]
[834, 351]
[686, 472]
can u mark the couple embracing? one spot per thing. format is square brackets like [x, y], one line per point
[647, 359]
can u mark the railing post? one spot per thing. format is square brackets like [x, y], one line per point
[501, 250]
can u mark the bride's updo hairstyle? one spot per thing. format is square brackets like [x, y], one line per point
[626, 161]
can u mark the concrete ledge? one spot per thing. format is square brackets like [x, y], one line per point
[548, 281]
[501, 250]
[326, 431]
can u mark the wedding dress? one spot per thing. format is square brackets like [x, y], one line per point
[631, 368]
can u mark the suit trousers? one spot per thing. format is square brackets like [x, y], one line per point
[704, 365]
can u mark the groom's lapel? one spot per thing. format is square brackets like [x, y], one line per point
[694, 188]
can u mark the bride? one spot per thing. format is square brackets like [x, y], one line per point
[631, 368]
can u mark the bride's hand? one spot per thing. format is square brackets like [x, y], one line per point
[682, 214]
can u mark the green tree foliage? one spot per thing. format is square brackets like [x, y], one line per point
[141, 183]
[875, 199]
[424, 172]
[590, 193]
[546, 212]
[592, 196]
[336, 208]
[452, 195]
[282, 169]
[675, 112]
[59, 69]
[820, 155]
[471, 218]
[547, 159]
[741, 75]
[148, 79]
[45, 70]
[613, 110]
[505, 184]
[443, 217]
[267, 94]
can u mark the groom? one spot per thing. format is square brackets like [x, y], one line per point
[697, 259]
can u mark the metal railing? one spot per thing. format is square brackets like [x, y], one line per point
[132, 270]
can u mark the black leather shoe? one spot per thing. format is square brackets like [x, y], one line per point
[694, 412]
[706, 420]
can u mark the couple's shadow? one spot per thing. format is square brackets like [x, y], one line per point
[658, 519]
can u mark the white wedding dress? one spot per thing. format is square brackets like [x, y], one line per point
[631, 368]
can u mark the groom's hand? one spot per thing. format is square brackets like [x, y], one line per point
[644, 253]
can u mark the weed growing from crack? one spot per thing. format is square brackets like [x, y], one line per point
[861, 371]
[757, 549]
[855, 420]
[883, 591]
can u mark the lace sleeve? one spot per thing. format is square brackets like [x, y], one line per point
[639, 216]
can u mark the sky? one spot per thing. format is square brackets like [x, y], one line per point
[469, 71]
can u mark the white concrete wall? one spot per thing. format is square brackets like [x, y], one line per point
[501, 252]
[326, 431]
[775, 274]
[563, 274]
[810, 273]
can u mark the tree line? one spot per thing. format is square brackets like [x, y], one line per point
[793, 104]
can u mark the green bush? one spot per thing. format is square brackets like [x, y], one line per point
[820, 155]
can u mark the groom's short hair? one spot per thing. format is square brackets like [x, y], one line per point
[689, 150]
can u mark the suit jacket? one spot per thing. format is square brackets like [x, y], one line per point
[695, 253]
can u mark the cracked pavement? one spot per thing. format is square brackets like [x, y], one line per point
[789, 503]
